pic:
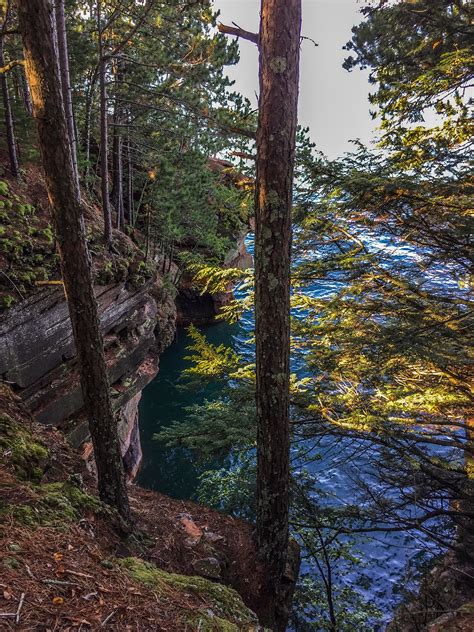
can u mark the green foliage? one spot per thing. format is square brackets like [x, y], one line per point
[381, 317]
[231, 489]
[210, 361]
[22, 452]
[420, 56]
[7, 301]
[26, 240]
[352, 612]
[53, 504]
[173, 108]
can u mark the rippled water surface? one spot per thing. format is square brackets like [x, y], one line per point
[173, 471]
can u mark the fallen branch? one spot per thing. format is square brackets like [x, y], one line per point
[79, 574]
[58, 582]
[244, 155]
[20, 606]
[310, 39]
[107, 618]
[49, 283]
[13, 283]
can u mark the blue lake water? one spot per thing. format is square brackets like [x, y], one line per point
[174, 471]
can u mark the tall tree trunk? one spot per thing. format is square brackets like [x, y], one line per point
[465, 505]
[66, 82]
[86, 141]
[25, 92]
[104, 133]
[279, 46]
[129, 197]
[9, 127]
[118, 177]
[117, 157]
[42, 69]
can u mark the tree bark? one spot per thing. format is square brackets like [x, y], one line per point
[117, 194]
[9, 127]
[279, 46]
[25, 92]
[117, 151]
[129, 196]
[86, 141]
[66, 82]
[104, 133]
[42, 69]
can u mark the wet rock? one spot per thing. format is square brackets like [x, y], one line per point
[129, 434]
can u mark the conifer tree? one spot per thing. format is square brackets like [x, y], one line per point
[43, 73]
[279, 46]
[9, 125]
[66, 81]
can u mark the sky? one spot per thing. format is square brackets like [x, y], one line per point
[333, 102]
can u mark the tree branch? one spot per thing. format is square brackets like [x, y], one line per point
[237, 31]
[243, 154]
[11, 65]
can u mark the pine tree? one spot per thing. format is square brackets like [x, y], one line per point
[43, 74]
[279, 45]
[9, 126]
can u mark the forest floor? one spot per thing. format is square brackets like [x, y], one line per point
[65, 566]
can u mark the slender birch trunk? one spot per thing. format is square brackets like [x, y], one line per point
[9, 126]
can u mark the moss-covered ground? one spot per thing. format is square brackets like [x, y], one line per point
[61, 549]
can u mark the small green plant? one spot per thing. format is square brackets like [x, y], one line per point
[105, 275]
[3, 188]
[48, 233]
[27, 276]
[7, 301]
[24, 210]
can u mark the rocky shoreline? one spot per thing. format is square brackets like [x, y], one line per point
[37, 355]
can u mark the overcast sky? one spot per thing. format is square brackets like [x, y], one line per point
[333, 102]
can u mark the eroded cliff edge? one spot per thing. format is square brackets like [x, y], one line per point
[139, 309]
[37, 354]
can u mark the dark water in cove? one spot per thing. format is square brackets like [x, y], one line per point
[173, 471]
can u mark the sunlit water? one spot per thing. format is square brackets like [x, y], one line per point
[174, 471]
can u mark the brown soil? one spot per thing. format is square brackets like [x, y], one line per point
[69, 574]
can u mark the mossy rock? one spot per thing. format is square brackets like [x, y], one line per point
[68, 501]
[27, 456]
[208, 622]
[226, 611]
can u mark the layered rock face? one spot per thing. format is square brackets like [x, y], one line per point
[202, 309]
[37, 355]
